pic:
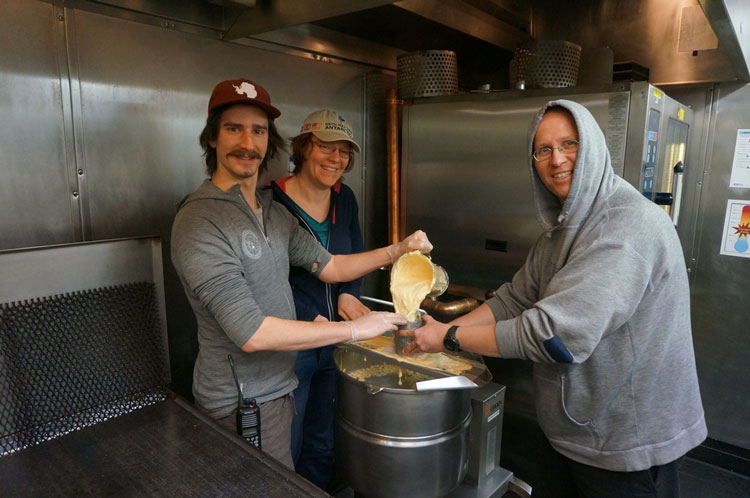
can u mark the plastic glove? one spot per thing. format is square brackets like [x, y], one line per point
[417, 241]
[374, 323]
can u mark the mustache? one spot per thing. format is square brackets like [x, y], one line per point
[251, 154]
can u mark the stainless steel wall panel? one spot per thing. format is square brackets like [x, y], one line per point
[36, 201]
[719, 291]
[71, 103]
[144, 92]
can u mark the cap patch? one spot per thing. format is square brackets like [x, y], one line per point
[339, 127]
[247, 88]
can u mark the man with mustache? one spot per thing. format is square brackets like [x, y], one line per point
[232, 247]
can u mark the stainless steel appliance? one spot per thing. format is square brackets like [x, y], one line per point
[484, 476]
[395, 440]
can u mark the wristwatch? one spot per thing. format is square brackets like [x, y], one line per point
[451, 341]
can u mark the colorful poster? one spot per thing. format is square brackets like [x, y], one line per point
[741, 161]
[736, 235]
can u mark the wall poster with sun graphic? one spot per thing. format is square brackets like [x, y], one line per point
[736, 235]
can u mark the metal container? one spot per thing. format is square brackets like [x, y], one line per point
[441, 281]
[427, 73]
[401, 341]
[396, 441]
[545, 64]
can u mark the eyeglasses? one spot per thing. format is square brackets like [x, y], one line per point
[327, 150]
[544, 153]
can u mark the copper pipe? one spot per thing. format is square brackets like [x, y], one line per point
[466, 291]
[394, 180]
[472, 297]
[453, 308]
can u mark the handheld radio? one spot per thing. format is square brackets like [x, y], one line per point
[248, 414]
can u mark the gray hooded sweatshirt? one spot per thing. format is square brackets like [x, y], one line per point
[235, 274]
[602, 307]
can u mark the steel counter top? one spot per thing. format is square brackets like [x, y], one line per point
[166, 449]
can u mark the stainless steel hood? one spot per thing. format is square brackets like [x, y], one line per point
[680, 41]
[730, 19]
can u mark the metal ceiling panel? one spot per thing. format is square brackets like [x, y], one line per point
[461, 16]
[284, 13]
[326, 43]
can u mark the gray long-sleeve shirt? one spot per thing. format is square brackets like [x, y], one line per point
[235, 275]
[602, 307]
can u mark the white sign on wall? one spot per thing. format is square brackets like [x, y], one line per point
[741, 161]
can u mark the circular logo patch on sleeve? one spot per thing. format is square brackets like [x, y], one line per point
[251, 244]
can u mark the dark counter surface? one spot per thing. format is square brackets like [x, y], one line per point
[166, 449]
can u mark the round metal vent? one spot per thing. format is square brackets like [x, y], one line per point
[428, 73]
[545, 64]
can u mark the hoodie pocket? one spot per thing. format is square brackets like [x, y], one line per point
[601, 391]
[552, 410]
[593, 402]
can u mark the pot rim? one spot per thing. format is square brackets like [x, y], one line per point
[373, 389]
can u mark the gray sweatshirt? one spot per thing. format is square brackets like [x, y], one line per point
[602, 307]
[235, 275]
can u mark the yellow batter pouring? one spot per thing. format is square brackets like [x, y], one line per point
[412, 278]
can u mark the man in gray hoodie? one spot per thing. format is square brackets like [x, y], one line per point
[602, 307]
[232, 247]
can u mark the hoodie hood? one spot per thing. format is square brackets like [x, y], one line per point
[593, 176]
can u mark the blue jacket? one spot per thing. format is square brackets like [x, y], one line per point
[313, 297]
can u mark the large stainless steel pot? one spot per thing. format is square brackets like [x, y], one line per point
[394, 441]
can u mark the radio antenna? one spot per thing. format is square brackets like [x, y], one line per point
[236, 381]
